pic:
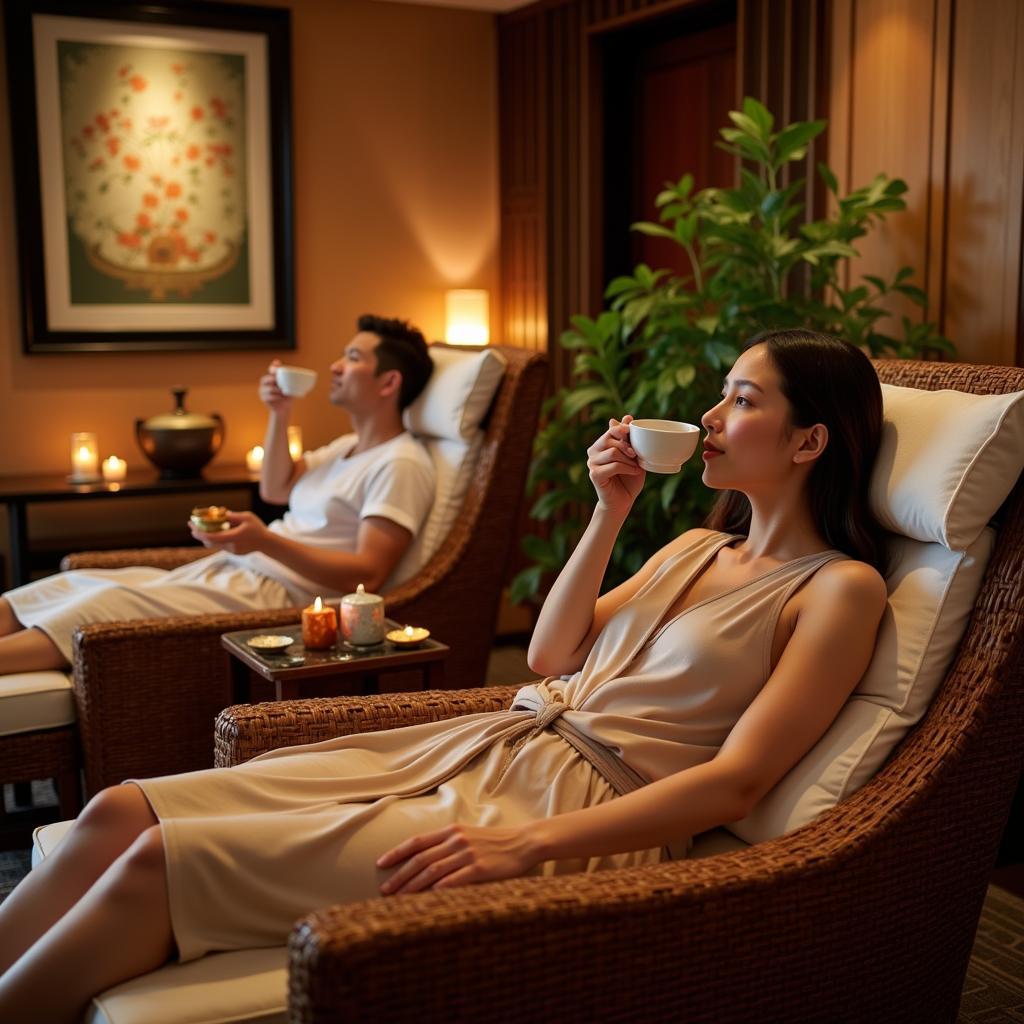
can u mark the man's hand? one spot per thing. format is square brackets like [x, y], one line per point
[457, 855]
[270, 394]
[247, 533]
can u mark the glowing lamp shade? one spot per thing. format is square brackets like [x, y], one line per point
[466, 317]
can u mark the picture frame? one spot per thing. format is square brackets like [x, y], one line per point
[152, 170]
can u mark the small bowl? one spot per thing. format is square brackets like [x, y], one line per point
[210, 518]
[268, 643]
[411, 636]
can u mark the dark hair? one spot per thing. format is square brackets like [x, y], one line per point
[826, 380]
[401, 347]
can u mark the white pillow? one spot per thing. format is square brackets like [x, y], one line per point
[947, 462]
[454, 464]
[458, 394]
[931, 594]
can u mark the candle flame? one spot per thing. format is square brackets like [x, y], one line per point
[83, 452]
[408, 630]
[318, 605]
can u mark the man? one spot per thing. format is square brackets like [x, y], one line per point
[354, 508]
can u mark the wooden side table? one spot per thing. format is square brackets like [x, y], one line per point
[348, 671]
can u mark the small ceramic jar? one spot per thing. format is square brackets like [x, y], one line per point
[362, 618]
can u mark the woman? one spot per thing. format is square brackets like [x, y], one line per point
[686, 694]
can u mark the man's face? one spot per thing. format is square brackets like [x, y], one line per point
[354, 383]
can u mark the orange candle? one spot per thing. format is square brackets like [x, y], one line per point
[319, 626]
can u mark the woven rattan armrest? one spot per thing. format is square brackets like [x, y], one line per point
[156, 558]
[245, 730]
[148, 691]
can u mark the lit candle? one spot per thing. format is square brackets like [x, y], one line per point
[295, 442]
[408, 637]
[114, 469]
[319, 626]
[254, 458]
[85, 459]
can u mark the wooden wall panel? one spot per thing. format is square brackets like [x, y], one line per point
[986, 170]
[891, 123]
[932, 91]
[549, 78]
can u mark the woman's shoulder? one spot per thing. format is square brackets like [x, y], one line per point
[848, 581]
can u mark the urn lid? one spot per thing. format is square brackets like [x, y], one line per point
[180, 418]
[361, 597]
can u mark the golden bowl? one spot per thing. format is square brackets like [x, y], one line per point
[210, 518]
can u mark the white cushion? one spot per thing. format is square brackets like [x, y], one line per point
[458, 394]
[714, 842]
[947, 462]
[35, 700]
[931, 594]
[245, 985]
[454, 465]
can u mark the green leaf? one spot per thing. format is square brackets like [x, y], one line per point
[759, 114]
[685, 376]
[746, 124]
[791, 143]
[576, 401]
[829, 178]
[525, 584]
[654, 230]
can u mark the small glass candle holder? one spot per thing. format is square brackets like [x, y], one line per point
[295, 442]
[114, 469]
[85, 458]
[319, 626]
[254, 458]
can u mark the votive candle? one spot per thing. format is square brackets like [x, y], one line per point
[85, 459]
[254, 458]
[114, 469]
[295, 442]
[319, 626]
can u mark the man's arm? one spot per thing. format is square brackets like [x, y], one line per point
[380, 545]
[279, 471]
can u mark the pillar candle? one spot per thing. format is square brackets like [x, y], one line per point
[319, 626]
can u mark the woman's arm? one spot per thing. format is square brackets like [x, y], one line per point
[827, 654]
[573, 614]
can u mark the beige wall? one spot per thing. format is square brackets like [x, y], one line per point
[932, 91]
[396, 199]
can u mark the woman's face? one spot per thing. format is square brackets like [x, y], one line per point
[748, 443]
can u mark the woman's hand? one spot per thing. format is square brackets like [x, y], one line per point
[270, 394]
[247, 533]
[614, 470]
[456, 855]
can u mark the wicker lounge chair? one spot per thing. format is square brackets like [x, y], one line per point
[147, 691]
[867, 913]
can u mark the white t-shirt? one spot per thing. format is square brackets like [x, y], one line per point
[394, 480]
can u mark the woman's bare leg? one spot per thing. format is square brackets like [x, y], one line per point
[120, 929]
[29, 650]
[8, 621]
[111, 822]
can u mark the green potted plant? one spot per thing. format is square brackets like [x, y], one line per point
[663, 345]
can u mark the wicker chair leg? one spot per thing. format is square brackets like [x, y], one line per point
[69, 793]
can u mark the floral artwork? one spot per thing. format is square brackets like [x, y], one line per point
[153, 142]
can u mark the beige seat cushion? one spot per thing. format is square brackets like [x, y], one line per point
[247, 985]
[35, 700]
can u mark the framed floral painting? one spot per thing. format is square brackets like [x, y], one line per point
[152, 159]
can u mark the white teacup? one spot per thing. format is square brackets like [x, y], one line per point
[662, 446]
[295, 381]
